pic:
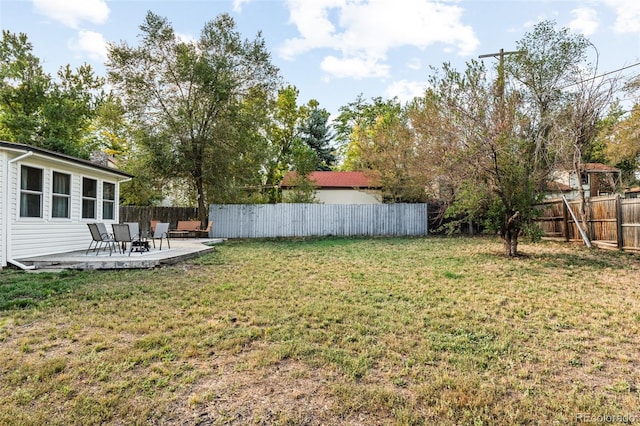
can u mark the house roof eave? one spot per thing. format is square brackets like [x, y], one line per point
[45, 153]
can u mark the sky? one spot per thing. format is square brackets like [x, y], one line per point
[335, 50]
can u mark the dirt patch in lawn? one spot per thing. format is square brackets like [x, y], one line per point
[288, 392]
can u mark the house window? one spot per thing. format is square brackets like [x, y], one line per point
[584, 178]
[30, 192]
[61, 198]
[108, 200]
[89, 198]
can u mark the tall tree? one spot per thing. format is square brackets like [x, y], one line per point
[39, 110]
[510, 132]
[379, 138]
[187, 98]
[316, 133]
[564, 98]
[283, 135]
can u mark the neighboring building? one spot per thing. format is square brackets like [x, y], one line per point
[47, 199]
[596, 179]
[632, 192]
[339, 187]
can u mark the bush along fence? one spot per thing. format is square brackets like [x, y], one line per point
[612, 221]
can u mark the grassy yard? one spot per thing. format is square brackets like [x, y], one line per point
[329, 331]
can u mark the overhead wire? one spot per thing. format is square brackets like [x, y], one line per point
[601, 75]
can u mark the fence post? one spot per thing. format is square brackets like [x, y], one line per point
[619, 222]
[565, 221]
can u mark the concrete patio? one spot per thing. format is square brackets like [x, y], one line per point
[181, 249]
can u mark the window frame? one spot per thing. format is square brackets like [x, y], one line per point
[87, 198]
[108, 201]
[61, 195]
[25, 191]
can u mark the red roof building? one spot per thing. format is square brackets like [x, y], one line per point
[339, 187]
[333, 180]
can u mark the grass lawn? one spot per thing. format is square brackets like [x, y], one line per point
[329, 331]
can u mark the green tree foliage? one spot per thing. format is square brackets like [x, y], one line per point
[37, 109]
[283, 136]
[189, 102]
[295, 143]
[378, 137]
[316, 133]
[623, 141]
[496, 140]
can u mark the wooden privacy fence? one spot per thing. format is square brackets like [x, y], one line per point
[613, 222]
[144, 215]
[303, 220]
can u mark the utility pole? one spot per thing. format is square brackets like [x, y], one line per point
[500, 82]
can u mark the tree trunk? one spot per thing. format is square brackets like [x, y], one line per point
[510, 233]
[203, 211]
[510, 240]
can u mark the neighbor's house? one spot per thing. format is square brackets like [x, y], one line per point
[339, 187]
[47, 199]
[596, 179]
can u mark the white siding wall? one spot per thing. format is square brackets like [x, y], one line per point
[3, 210]
[47, 235]
[345, 196]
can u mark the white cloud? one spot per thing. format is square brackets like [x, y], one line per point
[357, 68]
[186, 38]
[73, 12]
[414, 64]
[627, 15]
[406, 90]
[237, 5]
[363, 31]
[585, 21]
[91, 43]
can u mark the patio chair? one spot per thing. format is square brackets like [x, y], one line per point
[161, 231]
[100, 238]
[122, 235]
[134, 230]
[138, 240]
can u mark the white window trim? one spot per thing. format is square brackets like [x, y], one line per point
[103, 200]
[97, 214]
[59, 195]
[28, 191]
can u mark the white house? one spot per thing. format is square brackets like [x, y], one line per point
[339, 187]
[47, 199]
[595, 178]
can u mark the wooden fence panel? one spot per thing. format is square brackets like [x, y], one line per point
[301, 220]
[603, 223]
[553, 219]
[630, 218]
[144, 215]
[613, 221]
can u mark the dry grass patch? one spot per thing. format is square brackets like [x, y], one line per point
[328, 331]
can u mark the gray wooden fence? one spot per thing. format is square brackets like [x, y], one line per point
[303, 220]
[613, 221]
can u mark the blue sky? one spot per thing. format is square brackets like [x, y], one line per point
[334, 50]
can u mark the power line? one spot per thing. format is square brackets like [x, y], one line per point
[601, 75]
